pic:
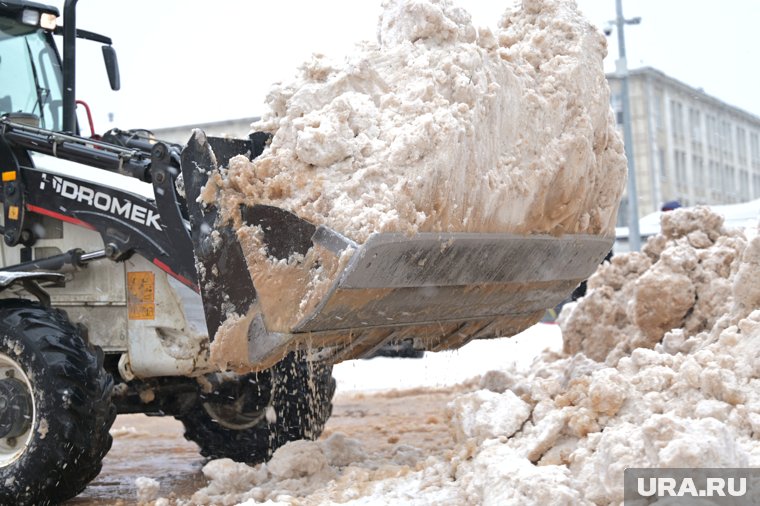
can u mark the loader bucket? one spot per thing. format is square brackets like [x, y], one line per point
[347, 300]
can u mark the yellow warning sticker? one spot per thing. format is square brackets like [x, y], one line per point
[9, 176]
[141, 291]
[13, 213]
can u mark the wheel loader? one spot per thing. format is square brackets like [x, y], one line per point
[116, 281]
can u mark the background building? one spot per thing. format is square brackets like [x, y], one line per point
[688, 146]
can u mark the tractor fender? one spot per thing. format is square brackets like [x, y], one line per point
[30, 281]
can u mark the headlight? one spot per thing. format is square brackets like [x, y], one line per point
[33, 17]
[30, 17]
[48, 21]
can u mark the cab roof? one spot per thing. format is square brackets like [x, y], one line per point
[16, 6]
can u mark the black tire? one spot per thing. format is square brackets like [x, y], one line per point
[248, 417]
[62, 449]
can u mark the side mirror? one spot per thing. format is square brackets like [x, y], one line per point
[112, 67]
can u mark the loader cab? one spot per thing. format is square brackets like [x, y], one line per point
[34, 80]
[31, 77]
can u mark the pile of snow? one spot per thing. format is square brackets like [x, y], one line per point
[147, 489]
[681, 279]
[660, 367]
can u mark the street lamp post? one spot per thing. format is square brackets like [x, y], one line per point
[634, 235]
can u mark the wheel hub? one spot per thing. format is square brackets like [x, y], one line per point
[15, 408]
[237, 404]
[17, 413]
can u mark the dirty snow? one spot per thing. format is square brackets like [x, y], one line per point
[147, 489]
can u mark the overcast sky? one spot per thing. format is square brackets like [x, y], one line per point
[185, 62]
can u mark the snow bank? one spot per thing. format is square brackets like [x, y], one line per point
[659, 370]
[682, 279]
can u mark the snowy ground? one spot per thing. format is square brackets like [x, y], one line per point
[390, 406]
[450, 367]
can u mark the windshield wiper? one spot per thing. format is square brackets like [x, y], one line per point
[42, 93]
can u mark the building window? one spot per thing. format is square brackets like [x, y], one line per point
[754, 149]
[695, 125]
[698, 167]
[657, 111]
[729, 183]
[676, 119]
[714, 173]
[741, 145]
[713, 136]
[726, 138]
[743, 185]
[682, 180]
